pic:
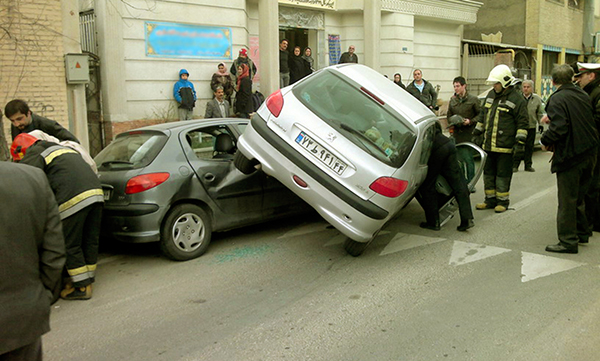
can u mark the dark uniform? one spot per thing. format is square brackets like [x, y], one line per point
[468, 107]
[502, 119]
[443, 161]
[573, 136]
[79, 196]
[592, 198]
[46, 125]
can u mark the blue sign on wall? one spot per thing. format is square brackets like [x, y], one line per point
[335, 50]
[171, 40]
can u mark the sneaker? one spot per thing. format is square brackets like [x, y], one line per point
[77, 293]
[499, 209]
[483, 206]
[529, 169]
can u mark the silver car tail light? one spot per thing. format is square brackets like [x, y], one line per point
[389, 187]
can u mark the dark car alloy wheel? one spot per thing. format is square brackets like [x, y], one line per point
[186, 232]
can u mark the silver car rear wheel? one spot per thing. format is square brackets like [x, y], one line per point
[186, 232]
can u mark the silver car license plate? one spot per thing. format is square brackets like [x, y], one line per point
[321, 153]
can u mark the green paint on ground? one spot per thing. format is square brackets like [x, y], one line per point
[243, 252]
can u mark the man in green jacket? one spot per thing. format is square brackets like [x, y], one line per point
[535, 112]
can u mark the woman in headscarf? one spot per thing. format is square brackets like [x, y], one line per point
[309, 60]
[398, 81]
[223, 79]
[243, 97]
[297, 66]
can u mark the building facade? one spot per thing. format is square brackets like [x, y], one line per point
[391, 36]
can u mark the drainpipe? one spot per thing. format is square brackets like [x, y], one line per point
[588, 27]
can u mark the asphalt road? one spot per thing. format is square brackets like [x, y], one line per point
[288, 291]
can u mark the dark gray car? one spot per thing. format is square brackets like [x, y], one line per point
[176, 183]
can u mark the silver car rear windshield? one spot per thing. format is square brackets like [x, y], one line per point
[362, 119]
[131, 150]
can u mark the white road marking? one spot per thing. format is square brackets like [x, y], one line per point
[524, 203]
[535, 266]
[306, 229]
[463, 252]
[403, 241]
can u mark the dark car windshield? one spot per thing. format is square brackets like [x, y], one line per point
[131, 150]
[371, 126]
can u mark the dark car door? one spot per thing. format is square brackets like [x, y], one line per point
[238, 197]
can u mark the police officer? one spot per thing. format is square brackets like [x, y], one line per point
[588, 78]
[501, 127]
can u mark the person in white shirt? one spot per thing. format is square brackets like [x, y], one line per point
[218, 107]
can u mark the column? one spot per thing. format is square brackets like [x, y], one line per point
[372, 21]
[268, 42]
[538, 68]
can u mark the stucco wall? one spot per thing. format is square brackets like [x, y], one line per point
[507, 16]
[32, 58]
[397, 45]
[437, 54]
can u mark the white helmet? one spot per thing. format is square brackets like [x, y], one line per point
[500, 74]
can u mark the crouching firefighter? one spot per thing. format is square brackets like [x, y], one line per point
[79, 196]
[501, 131]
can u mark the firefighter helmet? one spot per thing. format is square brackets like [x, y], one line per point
[500, 74]
[20, 144]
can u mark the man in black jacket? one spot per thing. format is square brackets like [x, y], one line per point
[588, 77]
[79, 196]
[24, 121]
[31, 260]
[573, 137]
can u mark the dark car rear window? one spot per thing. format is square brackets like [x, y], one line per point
[371, 126]
[131, 150]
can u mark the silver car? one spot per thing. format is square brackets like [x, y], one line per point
[348, 141]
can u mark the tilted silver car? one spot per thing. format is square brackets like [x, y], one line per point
[348, 141]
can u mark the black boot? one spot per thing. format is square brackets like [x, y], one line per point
[432, 226]
[465, 224]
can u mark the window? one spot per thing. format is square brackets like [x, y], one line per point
[374, 128]
[205, 145]
[131, 150]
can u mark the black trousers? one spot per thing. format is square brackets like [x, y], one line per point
[444, 161]
[82, 235]
[31, 352]
[528, 155]
[573, 184]
[592, 199]
[497, 174]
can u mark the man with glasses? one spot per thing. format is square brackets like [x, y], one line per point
[349, 56]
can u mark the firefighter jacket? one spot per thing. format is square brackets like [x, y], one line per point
[572, 131]
[73, 182]
[502, 120]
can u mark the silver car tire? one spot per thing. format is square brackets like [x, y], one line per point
[243, 164]
[186, 233]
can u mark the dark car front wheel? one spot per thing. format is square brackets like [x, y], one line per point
[244, 164]
[186, 233]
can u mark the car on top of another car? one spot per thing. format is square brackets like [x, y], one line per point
[348, 141]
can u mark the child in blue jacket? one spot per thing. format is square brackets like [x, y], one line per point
[185, 94]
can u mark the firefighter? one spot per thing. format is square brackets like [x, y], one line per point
[79, 196]
[501, 130]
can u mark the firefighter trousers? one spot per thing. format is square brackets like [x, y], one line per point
[82, 235]
[497, 174]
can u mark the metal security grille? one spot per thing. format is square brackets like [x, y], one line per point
[87, 31]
